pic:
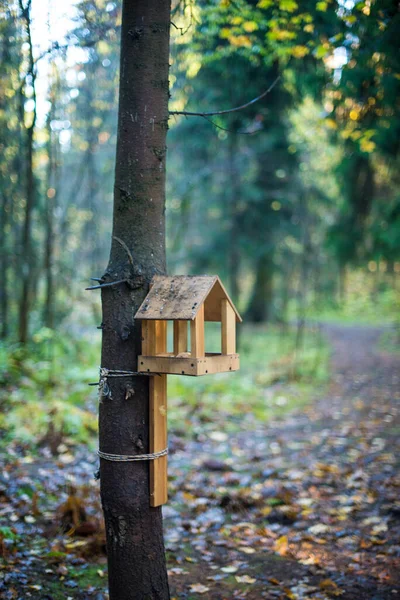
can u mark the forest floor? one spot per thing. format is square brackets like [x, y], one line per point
[304, 507]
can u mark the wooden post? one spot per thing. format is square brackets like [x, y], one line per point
[228, 328]
[180, 337]
[158, 440]
[154, 336]
[197, 334]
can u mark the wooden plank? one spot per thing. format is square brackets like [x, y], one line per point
[161, 337]
[175, 298]
[180, 337]
[148, 337]
[197, 334]
[154, 339]
[158, 440]
[228, 328]
[195, 367]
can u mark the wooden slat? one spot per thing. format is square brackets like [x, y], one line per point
[154, 337]
[158, 440]
[154, 340]
[175, 298]
[211, 363]
[161, 337]
[148, 336]
[197, 334]
[228, 328]
[180, 337]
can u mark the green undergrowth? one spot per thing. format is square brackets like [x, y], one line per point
[44, 388]
[359, 306]
[274, 377]
[45, 396]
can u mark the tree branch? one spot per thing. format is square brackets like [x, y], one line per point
[251, 132]
[229, 110]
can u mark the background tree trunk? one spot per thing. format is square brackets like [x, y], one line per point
[234, 251]
[259, 310]
[27, 250]
[51, 199]
[134, 530]
[4, 259]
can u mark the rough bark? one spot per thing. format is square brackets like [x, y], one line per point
[134, 530]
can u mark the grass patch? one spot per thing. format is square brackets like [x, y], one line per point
[274, 378]
[45, 387]
[362, 304]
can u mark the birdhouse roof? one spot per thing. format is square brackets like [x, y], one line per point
[179, 298]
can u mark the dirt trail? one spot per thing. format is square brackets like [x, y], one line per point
[303, 508]
[319, 489]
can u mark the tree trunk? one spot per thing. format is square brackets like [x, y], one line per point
[91, 229]
[260, 304]
[4, 259]
[51, 195]
[135, 544]
[234, 252]
[342, 284]
[27, 258]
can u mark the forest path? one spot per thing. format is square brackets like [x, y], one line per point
[305, 507]
[311, 503]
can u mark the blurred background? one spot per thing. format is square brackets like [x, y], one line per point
[294, 202]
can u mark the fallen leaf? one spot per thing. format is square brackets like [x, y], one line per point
[199, 588]
[319, 528]
[327, 584]
[245, 579]
[246, 549]
[229, 569]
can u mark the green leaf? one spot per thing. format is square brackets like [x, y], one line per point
[265, 4]
[288, 5]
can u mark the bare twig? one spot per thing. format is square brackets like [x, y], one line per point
[181, 29]
[230, 130]
[103, 285]
[229, 110]
[125, 247]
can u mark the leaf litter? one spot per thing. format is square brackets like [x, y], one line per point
[304, 507]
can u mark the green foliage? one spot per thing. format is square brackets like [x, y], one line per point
[46, 396]
[295, 186]
[44, 388]
[366, 300]
[7, 534]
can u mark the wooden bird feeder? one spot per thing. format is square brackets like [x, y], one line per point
[181, 299]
